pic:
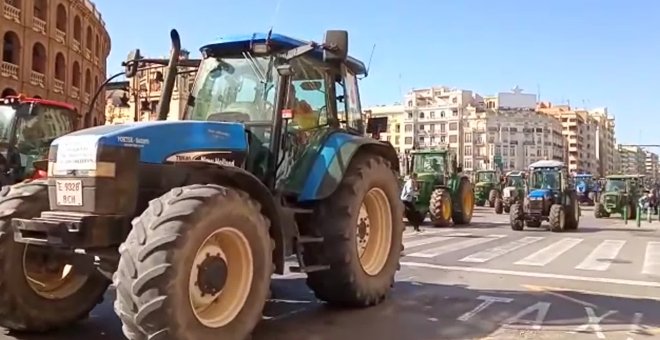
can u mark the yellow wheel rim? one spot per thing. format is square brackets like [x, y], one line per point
[51, 275]
[216, 305]
[374, 231]
[468, 202]
[446, 208]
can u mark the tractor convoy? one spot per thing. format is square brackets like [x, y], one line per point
[272, 159]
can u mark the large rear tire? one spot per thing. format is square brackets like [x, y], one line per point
[196, 265]
[440, 207]
[463, 208]
[362, 229]
[573, 213]
[39, 290]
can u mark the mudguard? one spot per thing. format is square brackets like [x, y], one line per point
[332, 161]
[159, 140]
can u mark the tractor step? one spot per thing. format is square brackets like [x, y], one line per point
[309, 269]
[309, 239]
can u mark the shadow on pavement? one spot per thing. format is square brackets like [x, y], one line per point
[414, 311]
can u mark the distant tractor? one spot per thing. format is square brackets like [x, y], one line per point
[620, 191]
[551, 198]
[585, 188]
[514, 190]
[445, 194]
[488, 187]
[27, 128]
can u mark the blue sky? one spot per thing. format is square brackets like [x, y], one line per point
[591, 52]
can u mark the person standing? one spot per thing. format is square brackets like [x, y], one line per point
[408, 196]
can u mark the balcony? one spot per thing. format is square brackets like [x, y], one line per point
[38, 79]
[58, 86]
[9, 70]
[76, 45]
[86, 98]
[12, 13]
[88, 53]
[38, 25]
[96, 61]
[60, 36]
[75, 92]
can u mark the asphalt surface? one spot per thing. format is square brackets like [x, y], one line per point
[485, 281]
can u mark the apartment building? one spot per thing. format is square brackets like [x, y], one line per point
[394, 133]
[651, 165]
[434, 116]
[579, 129]
[605, 140]
[632, 160]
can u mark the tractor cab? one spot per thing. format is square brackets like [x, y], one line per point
[27, 127]
[432, 169]
[514, 188]
[488, 187]
[547, 180]
[585, 188]
[619, 191]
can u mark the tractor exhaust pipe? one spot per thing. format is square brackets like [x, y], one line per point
[170, 76]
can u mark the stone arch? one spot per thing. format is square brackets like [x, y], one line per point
[75, 75]
[60, 18]
[77, 29]
[88, 81]
[60, 67]
[39, 58]
[8, 92]
[11, 48]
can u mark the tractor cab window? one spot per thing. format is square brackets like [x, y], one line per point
[36, 131]
[546, 179]
[615, 185]
[7, 114]
[514, 181]
[237, 89]
[428, 163]
[307, 94]
[352, 101]
[486, 177]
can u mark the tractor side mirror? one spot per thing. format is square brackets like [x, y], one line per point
[131, 63]
[376, 125]
[335, 46]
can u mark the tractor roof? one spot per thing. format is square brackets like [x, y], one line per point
[623, 176]
[547, 164]
[235, 44]
[514, 173]
[583, 176]
[483, 171]
[23, 99]
[429, 151]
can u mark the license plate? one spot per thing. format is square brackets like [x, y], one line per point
[69, 192]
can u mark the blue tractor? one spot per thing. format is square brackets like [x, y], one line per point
[585, 188]
[192, 217]
[550, 198]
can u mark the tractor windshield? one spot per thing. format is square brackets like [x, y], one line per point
[617, 184]
[545, 179]
[486, 177]
[35, 131]
[428, 163]
[234, 89]
[514, 181]
[7, 114]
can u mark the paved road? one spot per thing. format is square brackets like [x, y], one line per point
[483, 282]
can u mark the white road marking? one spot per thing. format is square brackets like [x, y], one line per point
[549, 253]
[593, 323]
[489, 254]
[637, 283]
[540, 308]
[635, 327]
[426, 232]
[652, 259]
[487, 301]
[437, 251]
[600, 258]
[425, 241]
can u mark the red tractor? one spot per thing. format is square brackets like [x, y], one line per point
[27, 127]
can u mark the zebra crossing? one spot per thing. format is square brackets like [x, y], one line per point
[519, 250]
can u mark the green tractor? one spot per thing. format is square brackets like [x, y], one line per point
[444, 192]
[513, 192]
[620, 191]
[488, 187]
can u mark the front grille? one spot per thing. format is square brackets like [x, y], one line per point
[536, 205]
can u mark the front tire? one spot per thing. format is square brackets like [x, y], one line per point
[557, 218]
[499, 206]
[517, 217]
[46, 300]
[440, 207]
[196, 265]
[463, 209]
[362, 229]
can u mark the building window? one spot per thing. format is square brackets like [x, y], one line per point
[442, 127]
[408, 140]
[442, 114]
[432, 114]
[453, 126]
[468, 150]
[453, 139]
[410, 115]
[468, 164]
[408, 128]
[397, 140]
[432, 142]
[468, 137]
[512, 151]
[421, 114]
[421, 140]
[397, 128]
[443, 139]
[454, 100]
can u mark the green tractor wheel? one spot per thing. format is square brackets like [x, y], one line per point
[600, 212]
[463, 208]
[440, 207]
